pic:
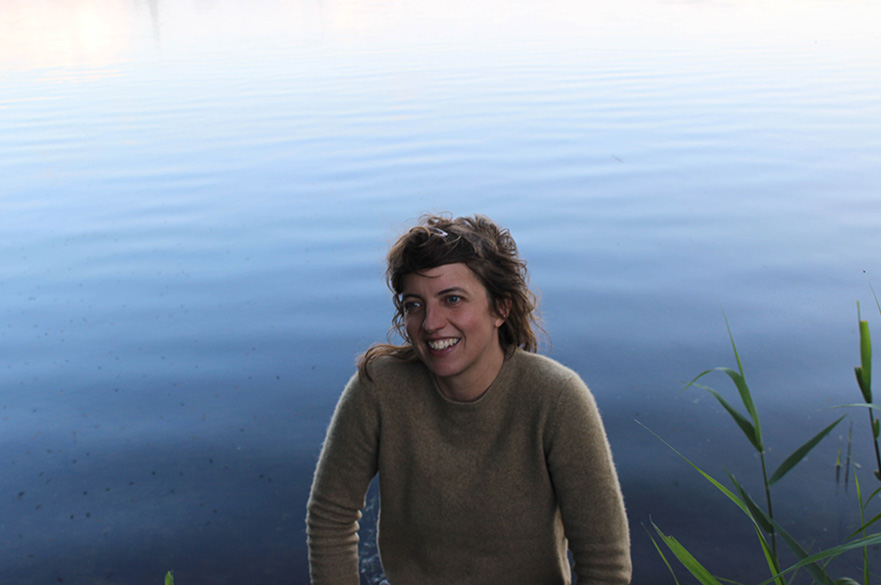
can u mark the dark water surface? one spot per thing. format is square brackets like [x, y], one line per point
[195, 199]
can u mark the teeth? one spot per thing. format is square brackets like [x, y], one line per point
[443, 343]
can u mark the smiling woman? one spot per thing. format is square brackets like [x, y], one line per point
[493, 462]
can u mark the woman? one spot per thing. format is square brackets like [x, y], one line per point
[492, 460]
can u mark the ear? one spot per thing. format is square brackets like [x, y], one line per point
[503, 309]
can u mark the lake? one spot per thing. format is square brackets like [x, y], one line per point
[196, 198]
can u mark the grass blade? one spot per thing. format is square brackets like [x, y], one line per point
[800, 453]
[687, 559]
[871, 540]
[757, 515]
[864, 526]
[856, 481]
[865, 388]
[745, 425]
[747, 399]
[760, 518]
[663, 557]
[740, 381]
[761, 521]
[864, 374]
[737, 501]
[818, 573]
[859, 404]
[733, 346]
[875, 493]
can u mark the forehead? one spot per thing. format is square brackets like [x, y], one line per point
[441, 278]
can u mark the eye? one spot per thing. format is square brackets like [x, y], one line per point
[454, 299]
[410, 306]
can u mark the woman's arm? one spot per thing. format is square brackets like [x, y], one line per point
[588, 492]
[347, 463]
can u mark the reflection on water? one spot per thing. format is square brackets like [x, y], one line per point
[154, 19]
[196, 198]
[104, 32]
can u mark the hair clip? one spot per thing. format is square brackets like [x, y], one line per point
[438, 231]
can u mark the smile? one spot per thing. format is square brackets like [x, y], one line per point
[439, 344]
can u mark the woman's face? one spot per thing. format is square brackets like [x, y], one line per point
[451, 324]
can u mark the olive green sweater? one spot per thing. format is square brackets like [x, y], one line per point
[485, 492]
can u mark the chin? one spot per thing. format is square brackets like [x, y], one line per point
[441, 370]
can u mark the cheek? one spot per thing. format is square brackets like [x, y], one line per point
[476, 324]
[411, 326]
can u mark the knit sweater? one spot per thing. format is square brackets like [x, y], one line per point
[489, 492]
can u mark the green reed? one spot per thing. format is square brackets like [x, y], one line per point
[864, 381]
[766, 527]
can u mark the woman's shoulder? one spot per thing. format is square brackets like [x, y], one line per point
[533, 367]
[551, 388]
[539, 379]
[386, 370]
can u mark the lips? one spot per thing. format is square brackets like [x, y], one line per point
[442, 344]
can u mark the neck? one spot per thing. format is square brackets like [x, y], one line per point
[470, 386]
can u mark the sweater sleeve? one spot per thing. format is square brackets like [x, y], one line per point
[347, 463]
[592, 507]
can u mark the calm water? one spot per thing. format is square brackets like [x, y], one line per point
[195, 200]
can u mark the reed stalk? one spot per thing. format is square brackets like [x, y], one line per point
[767, 528]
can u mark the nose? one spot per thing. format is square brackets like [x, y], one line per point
[434, 319]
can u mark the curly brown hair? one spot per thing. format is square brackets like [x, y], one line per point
[489, 251]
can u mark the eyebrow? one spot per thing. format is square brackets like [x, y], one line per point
[446, 291]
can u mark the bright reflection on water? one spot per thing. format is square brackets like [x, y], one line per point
[196, 198]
